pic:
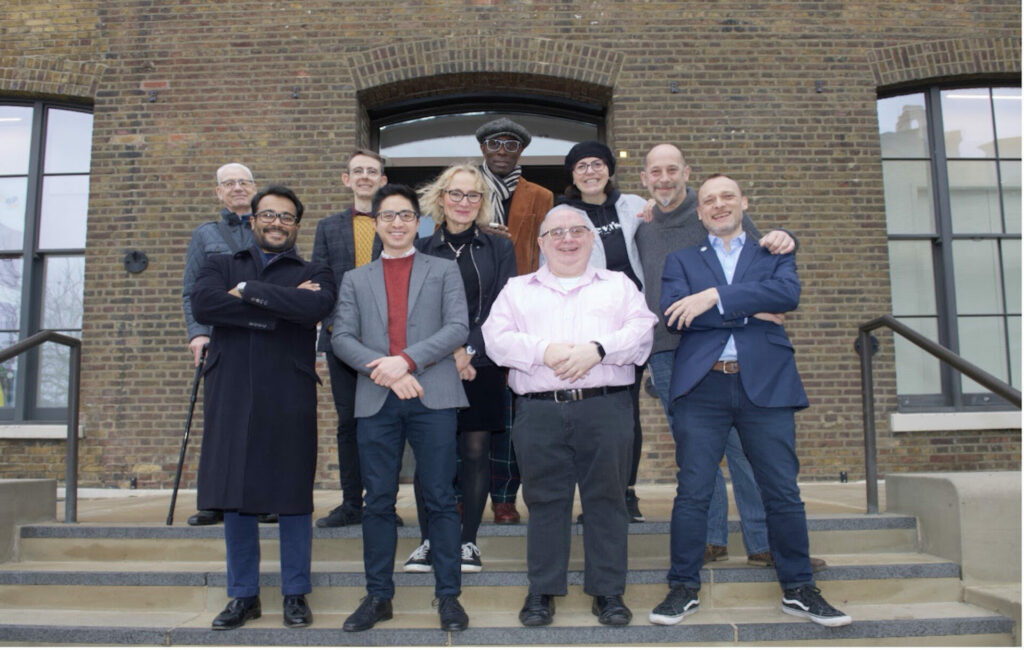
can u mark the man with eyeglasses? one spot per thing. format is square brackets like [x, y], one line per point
[519, 206]
[260, 416]
[571, 334]
[344, 241]
[232, 233]
[398, 322]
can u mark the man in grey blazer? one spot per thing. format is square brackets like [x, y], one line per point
[397, 322]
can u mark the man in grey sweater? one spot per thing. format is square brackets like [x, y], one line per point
[674, 225]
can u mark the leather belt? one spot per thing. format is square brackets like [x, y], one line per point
[575, 394]
[727, 367]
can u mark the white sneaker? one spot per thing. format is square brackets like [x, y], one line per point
[419, 560]
[471, 558]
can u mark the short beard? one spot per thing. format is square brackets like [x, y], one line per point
[271, 248]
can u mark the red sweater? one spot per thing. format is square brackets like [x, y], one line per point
[396, 284]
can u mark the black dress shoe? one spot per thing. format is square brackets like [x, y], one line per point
[206, 518]
[369, 613]
[610, 610]
[267, 518]
[343, 515]
[237, 613]
[539, 609]
[453, 617]
[297, 612]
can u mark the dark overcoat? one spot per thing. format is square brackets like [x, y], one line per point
[259, 431]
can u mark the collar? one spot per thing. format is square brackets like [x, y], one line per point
[719, 245]
[591, 274]
[233, 219]
[396, 257]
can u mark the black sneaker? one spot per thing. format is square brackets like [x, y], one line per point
[807, 601]
[471, 558]
[680, 602]
[453, 617]
[633, 507]
[343, 515]
[419, 560]
[371, 611]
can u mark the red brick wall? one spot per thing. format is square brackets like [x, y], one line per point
[225, 72]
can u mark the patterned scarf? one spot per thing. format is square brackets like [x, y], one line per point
[501, 189]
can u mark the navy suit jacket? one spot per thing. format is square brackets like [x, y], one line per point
[762, 283]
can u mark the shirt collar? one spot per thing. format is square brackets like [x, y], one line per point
[545, 277]
[395, 257]
[719, 245]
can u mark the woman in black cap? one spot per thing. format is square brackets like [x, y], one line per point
[591, 166]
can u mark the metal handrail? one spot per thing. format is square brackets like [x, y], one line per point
[867, 385]
[74, 383]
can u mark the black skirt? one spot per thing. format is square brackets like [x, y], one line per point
[486, 395]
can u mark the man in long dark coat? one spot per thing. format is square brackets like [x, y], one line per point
[259, 439]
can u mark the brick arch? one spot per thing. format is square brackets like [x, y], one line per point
[951, 58]
[525, 64]
[50, 75]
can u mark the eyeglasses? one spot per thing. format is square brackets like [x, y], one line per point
[457, 195]
[237, 182]
[369, 172]
[560, 233]
[388, 216]
[582, 167]
[268, 217]
[510, 146]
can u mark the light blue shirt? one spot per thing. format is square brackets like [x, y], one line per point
[728, 260]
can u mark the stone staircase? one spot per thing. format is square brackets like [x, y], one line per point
[156, 585]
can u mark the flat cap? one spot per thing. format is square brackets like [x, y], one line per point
[503, 126]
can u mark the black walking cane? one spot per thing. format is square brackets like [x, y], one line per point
[184, 438]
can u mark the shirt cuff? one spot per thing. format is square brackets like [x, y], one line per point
[408, 360]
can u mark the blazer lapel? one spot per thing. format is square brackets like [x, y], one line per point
[746, 256]
[379, 291]
[420, 269]
[710, 257]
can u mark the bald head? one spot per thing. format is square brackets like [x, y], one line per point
[567, 252]
[235, 187]
[664, 175]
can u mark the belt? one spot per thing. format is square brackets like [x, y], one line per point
[727, 367]
[575, 394]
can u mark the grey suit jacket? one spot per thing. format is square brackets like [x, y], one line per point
[436, 323]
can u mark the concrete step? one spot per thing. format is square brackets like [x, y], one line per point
[910, 624]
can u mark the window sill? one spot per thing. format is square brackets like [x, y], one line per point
[36, 431]
[961, 421]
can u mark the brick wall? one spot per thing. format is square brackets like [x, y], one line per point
[225, 73]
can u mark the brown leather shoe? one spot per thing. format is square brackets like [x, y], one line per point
[505, 513]
[715, 553]
[765, 559]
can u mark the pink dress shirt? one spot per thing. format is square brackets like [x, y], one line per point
[533, 311]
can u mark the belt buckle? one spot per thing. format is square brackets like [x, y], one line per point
[730, 367]
[573, 395]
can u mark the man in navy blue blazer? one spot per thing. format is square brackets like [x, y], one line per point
[735, 367]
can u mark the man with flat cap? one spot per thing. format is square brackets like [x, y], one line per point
[519, 208]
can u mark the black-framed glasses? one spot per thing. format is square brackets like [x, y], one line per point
[237, 182]
[582, 167]
[510, 146]
[388, 216]
[268, 217]
[457, 195]
[560, 233]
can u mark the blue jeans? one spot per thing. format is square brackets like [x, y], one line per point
[745, 492]
[700, 425]
[242, 540]
[431, 435]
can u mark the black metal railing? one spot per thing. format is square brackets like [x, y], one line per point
[865, 350]
[74, 382]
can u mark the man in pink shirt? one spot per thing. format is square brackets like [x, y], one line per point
[571, 334]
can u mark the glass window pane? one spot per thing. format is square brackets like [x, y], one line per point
[908, 197]
[917, 372]
[1010, 177]
[68, 142]
[1006, 102]
[1011, 274]
[8, 371]
[13, 194]
[10, 293]
[983, 343]
[912, 277]
[967, 123]
[977, 277]
[974, 196]
[63, 279]
[54, 360]
[64, 210]
[15, 139]
[903, 126]
[1013, 325]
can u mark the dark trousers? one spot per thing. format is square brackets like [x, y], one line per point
[431, 435]
[562, 445]
[343, 389]
[242, 540]
[700, 425]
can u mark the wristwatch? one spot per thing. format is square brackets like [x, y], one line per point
[470, 350]
[600, 349]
